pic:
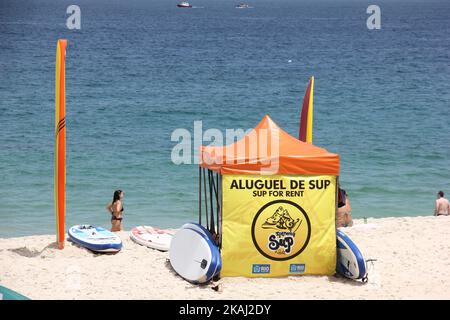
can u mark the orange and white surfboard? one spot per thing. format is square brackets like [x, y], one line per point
[60, 142]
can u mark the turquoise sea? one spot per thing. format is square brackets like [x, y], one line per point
[137, 70]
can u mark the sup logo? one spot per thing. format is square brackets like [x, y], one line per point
[281, 230]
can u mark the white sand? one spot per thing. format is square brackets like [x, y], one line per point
[413, 262]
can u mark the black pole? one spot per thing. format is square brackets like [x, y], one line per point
[199, 195]
[217, 201]
[219, 210]
[206, 196]
[211, 186]
[337, 200]
[215, 185]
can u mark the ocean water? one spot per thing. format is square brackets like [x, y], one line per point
[138, 70]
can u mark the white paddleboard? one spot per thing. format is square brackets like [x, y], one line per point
[199, 228]
[193, 256]
[350, 261]
[97, 239]
[152, 237]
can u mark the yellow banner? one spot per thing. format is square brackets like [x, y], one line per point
[277, 225]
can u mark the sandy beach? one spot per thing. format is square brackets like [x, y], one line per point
[412, 262]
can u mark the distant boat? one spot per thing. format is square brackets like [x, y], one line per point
[243, 6]
[184, 4]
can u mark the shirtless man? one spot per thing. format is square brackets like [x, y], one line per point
[442, 205]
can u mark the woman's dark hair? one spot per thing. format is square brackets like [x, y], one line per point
[341, 197]
[441, 194]
[116, 196]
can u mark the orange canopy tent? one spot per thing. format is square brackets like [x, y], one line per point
[267, 145]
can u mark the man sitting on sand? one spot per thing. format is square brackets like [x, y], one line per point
[344, 211]
[442, 205]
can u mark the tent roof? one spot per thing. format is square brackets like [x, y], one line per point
[268, 148]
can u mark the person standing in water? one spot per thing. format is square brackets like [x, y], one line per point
[116, 209]
[442, 205]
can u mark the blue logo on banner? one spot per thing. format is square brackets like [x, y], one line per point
[261, 268]
[297, 268]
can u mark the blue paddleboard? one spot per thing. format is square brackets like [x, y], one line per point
[8, 294]
[95, 238]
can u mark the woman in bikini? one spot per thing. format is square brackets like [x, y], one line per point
[116, 210]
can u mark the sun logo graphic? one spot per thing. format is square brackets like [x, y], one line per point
[281, 230]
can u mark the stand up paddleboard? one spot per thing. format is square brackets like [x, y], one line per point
[199, 228]
[193, 256]
[60, 142]
[350, 261]
[97, 239]
[8, 294]
[152, 237]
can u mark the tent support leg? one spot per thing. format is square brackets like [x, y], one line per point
[199, 195]
[211, 186]
[206, 197]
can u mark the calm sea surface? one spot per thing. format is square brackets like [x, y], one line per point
[138, 70]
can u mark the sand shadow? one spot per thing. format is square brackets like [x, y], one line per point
[28, 253]
[210, 285]
[93, 253]
[337, 278]
[170, 268]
